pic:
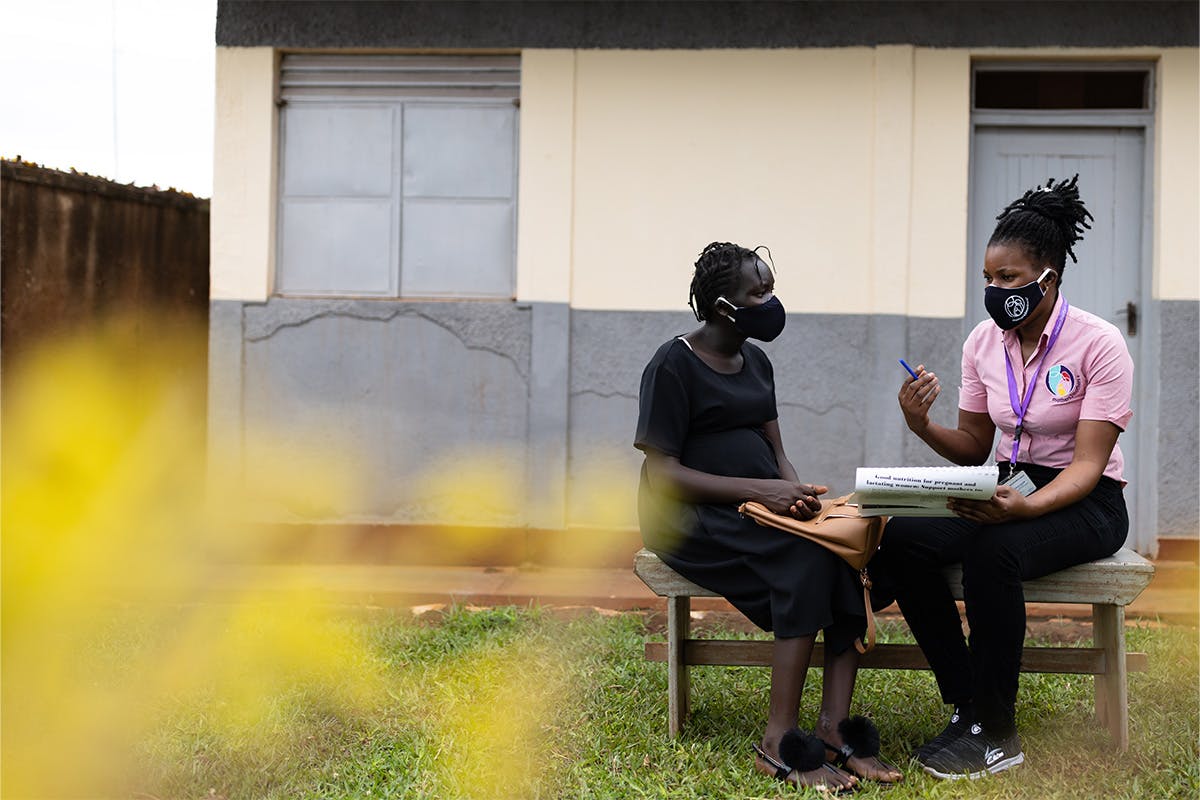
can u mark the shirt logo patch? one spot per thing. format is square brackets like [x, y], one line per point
[1061, 382]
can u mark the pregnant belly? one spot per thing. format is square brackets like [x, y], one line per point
[737, 453]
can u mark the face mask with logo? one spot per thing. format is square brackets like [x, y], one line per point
[1010, 307]
[763, 322]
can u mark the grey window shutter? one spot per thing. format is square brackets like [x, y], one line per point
[398, 175]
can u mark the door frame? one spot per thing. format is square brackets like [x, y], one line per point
[1146, 349]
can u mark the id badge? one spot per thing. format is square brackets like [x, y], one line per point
[1021, 482]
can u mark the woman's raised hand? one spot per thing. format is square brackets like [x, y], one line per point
[916, 397]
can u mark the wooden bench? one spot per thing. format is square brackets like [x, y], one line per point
[1108, 585]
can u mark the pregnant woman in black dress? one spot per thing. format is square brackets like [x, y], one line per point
[708, 427]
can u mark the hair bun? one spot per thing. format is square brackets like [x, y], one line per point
[1060, 204]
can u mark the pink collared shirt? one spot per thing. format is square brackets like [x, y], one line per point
[1087, 375]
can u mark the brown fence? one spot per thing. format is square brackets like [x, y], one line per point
[76, 249]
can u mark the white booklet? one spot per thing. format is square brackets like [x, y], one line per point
[920, 491]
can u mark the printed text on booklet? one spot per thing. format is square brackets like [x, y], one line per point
[920, 491]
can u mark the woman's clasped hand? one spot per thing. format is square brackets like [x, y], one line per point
[801, 500]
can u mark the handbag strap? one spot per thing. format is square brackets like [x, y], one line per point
[866, 584]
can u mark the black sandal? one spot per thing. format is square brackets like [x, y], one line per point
[860, 738]
[807, 752]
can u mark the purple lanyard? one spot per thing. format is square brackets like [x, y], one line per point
[1020, 406]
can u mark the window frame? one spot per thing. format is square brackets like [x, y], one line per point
[1050, 116]
[398, 104]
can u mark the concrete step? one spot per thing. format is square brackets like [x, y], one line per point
[1172, 596]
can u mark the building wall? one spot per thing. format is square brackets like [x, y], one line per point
[851, 163]
[1177, 289]
[808, 151]
[245, 166]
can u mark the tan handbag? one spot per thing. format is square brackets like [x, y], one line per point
[839, 529]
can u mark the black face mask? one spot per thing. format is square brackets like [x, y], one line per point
[763, 322]
[1010, 307]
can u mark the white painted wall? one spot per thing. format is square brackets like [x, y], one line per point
[675, 149]
[851, 164]
[1177, 177]
[545, 175]
[245, 159]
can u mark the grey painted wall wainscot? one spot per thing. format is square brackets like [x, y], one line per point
[836, 381]
[404, 390]
[1179, 419]
[550, 396]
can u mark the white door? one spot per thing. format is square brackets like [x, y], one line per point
[1008, 160]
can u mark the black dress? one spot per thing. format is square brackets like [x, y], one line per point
[713, 422]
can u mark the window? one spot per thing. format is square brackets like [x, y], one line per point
[1061, 89]
[398, 175]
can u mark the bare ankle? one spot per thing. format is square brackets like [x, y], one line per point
[770, 740]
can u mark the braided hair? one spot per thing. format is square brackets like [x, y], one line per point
[1045, 222]
[717, 273]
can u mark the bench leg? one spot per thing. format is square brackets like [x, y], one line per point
[679, 620]
[1112, 688]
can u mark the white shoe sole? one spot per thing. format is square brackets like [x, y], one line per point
[999, 766]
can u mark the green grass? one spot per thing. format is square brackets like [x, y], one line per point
[589, 718]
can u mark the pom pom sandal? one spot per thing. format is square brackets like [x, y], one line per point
[860, 739]
[803, 753]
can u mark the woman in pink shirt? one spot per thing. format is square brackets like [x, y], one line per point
[1057, 382]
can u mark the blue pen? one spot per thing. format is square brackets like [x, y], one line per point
[910, 369]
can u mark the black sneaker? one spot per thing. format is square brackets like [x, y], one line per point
[974, 755]
[960, 721]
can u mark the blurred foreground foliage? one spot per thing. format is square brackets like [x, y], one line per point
[118, 624]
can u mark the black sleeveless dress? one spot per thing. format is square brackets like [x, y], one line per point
[713, 422]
